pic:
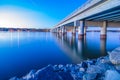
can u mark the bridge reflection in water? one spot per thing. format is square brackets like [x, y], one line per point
[81, 49]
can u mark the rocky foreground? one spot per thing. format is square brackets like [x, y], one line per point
[103, 68]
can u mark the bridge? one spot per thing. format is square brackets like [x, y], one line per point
[95, 13]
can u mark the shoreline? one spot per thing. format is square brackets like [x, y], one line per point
[103, 68]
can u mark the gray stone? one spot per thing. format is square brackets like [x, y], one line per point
[112, 75]
[30, 76]
[15, 78]
[89, 76]
[94, 69]
[77, 76]
[46, 73]
[117, 67]
[114, 56]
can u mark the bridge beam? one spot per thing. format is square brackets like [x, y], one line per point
[104, 30]
[81, 30]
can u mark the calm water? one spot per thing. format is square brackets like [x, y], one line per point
[22, 51]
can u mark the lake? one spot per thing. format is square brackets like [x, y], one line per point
[21, 52]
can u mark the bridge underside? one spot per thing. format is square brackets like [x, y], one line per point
[102, 18]
[112, 15]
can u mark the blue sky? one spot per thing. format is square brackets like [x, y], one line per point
[35, 13]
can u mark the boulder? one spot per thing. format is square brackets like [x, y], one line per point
[48, 73]
[14, 78]
[112, 75]
[30, 76]
[114, 56]
[89, 76]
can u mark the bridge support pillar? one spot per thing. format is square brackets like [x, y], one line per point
[57, 30]
[74, 31]
[85, 29]
[64, 30]
[81, 29]
[74, 28]
[53, 30]
[60, 31]
[103, 30]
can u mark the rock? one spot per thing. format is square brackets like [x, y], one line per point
[65, 76]
[77, 76]
[92, 73]
[84, 65]
[15, 78]
[105, 59]
[89, 76]
[31, 75]
[114, 56]
[112, 75]
[56, 68]
[94, 69]
[91, 62]
[48, 73]
[97, 71]
[82, 70]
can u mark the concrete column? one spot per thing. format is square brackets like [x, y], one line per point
[85, 29]
[60, 30]
[103, 30]
[74, 31]
[53, 30]
[57, 30]
[81, 29]
[63, 30]
[74, 28]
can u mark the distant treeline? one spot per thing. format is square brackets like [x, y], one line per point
[25, 29]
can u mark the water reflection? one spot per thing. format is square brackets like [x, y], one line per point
[18, 38]
[69, 46]
[103, 46]
[22, 51]
[11, 39]
[81, 49]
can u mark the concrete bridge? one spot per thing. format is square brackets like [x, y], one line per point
[97, 13]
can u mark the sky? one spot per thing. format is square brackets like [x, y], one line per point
[35, 13]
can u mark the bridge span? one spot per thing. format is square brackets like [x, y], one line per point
[101, 13]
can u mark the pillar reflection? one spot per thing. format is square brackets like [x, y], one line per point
[11, 39]
[69, 45]
[18, 38]
[103, 46]
[80, 46]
